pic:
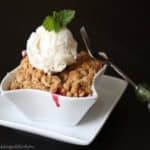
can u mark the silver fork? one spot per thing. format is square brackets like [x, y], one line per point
[142, 91]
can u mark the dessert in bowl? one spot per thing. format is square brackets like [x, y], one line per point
[54, 82]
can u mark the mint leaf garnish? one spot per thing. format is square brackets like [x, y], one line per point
[64, 17]
[58, 20]
[49, 23]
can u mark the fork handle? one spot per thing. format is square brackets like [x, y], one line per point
[122, 74]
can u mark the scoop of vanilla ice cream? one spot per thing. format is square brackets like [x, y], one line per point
[51, 51]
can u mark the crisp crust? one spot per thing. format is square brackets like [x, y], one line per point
[74, 81]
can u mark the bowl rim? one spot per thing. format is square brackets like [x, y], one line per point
[93, 96]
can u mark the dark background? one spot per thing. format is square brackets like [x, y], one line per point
[121, 29]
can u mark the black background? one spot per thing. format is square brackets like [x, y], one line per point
[121, 29]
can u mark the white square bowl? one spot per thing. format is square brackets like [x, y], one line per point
[44, 106]
[83, 133]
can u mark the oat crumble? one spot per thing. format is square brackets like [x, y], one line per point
[74, 81]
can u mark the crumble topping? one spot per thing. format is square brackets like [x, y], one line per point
[74, 81]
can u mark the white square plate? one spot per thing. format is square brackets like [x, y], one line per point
[109, 90]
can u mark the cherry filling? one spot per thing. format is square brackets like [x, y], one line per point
[56, 100]
[23, 53]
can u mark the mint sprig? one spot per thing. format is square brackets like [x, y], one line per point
[58, 20]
